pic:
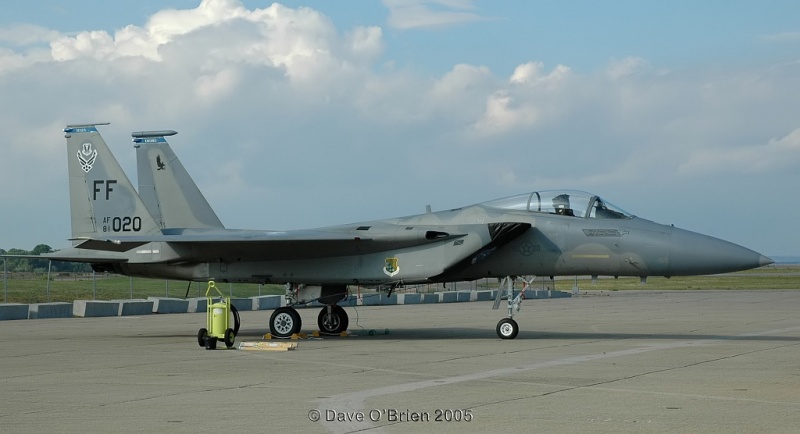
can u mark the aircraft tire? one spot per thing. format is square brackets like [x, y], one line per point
[507, 328]
[345, 318]
[284, 322]
[334, 324]
[230, 336]
[201, 337]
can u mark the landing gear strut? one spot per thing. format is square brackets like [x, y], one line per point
[507, 328]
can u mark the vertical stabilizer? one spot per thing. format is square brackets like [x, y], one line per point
[103, 202]
[165, 186]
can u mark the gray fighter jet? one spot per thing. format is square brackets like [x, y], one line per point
[168, 230]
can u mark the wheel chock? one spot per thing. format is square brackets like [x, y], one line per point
[294, 336]
[267, 346]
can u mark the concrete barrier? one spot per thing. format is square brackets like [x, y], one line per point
[13, 311]
[448, 297]
[386, 300]
[430, 298]
[94, 308]
[485, 295]
[135, 307]
[370, 299]
[267, 302]
[409, 298]
[197, 305]
[242, 304]
[169, 305]
[50, 310]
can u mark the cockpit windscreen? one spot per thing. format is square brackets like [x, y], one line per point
[568, 203]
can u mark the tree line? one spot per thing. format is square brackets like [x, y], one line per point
[33, 265]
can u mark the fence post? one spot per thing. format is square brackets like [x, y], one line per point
[49, 267]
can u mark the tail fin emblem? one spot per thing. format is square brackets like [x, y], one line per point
[86, 157]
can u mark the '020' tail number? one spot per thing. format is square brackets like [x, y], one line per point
[122, 224]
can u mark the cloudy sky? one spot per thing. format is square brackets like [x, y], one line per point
[314, 113]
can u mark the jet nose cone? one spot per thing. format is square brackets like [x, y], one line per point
[692, 253]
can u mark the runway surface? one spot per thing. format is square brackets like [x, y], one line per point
[688, 361]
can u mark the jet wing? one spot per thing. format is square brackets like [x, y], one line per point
[260, 245]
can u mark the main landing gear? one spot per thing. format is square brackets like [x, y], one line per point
[285, 321]
[333, 320]
[507, 328]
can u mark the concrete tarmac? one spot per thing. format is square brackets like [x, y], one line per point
[633, 361]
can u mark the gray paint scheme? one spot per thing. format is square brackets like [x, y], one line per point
[427, 247]
[169, 193]
[171, 232]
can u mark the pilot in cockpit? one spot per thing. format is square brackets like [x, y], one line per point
[602, 212]
[561, 205]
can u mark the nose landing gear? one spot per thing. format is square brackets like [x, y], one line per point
[507, 328]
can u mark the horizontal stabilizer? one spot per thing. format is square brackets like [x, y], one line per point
[107, 245]
[72, 254]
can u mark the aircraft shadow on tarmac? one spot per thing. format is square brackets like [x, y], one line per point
[452, 333]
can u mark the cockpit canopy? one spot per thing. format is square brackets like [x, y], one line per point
[562, 202]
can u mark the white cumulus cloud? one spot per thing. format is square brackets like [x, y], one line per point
[287, 120]
[775, 154]
[408, 14]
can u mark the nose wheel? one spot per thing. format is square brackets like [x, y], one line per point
[507, 328]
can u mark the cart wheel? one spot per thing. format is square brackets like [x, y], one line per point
[201, 337]
[229, 337]
[237, 321]
[211, 343]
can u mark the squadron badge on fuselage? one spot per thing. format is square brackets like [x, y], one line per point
[391, 267]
